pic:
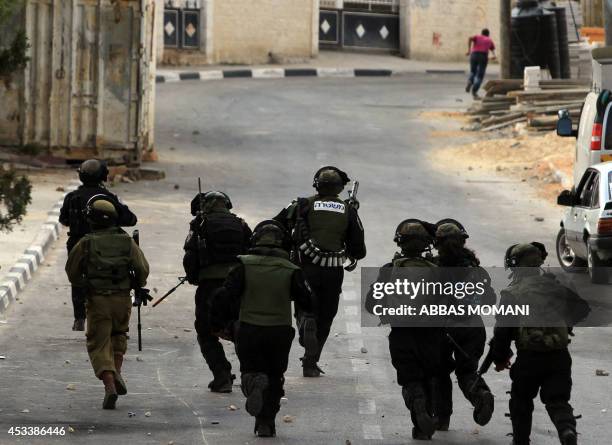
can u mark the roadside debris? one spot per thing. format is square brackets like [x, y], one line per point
[601, 373]
[71, 387]
[364, 350]
[232, 408]
[506, 104]
[288, 419]
[148, 414]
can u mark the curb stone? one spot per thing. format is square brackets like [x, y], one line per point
[278, 73]
[23, 270]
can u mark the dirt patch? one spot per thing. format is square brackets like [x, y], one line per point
[545, 162]
[444, 114]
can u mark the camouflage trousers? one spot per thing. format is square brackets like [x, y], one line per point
[108, 321]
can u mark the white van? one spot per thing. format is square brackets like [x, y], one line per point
[594, 132]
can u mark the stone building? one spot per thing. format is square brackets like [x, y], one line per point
[197, 32]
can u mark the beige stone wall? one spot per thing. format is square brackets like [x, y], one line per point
[248, 31]
[439, 29]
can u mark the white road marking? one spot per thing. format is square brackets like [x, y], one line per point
[184, 403]
[210, 75]
[268, 73]
[372, 432]
[171, 77]
[367, 406]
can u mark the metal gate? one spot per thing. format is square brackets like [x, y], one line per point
[87, 89]
[181, 28]
[359, 24]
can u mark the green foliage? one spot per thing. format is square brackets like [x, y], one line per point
[15, 195]
[7, 7]
[12, 55]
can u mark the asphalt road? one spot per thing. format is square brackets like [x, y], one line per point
[261, 141]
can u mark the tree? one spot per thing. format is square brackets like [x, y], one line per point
[15, 192]
[15, 195]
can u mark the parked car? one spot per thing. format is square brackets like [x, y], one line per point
[594, 132]
[585, 237]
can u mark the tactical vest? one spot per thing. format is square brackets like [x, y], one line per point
[266, 299]
[327, 223]
[541, 294]
[108, 260]
[221, 239]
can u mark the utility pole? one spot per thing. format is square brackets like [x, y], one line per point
[505, 35]
[607, 16]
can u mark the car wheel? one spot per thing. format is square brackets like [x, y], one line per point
[567, 258]
[597, 268]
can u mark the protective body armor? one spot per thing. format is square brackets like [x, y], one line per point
[403, 262]
[221, 239]
[266, 300]
[108, 260]
[326, 224]
[544, 295]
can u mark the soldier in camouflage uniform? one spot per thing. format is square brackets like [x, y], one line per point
[326, 231]
[92, 173]
[543, 362]
[107, 263]
[415, 350]
[465, 344]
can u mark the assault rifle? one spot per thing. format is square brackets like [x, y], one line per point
[182, 281]
[352, 201]
[141, 295]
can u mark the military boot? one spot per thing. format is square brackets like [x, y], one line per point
[253, 386]
[416, 402]
[417, 434]
[222, 383]
[119, 382]
[443, 423]
[265, 427]
[310, 367]
[568, 437]
[79, 324]
[483, 407]
[311, 344]
[110, 392]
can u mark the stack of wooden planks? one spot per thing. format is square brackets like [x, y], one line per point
[506, 104]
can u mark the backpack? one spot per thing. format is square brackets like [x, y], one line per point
[108, 260]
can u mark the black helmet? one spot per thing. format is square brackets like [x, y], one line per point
[449, 227]
[413, 228]
[93, 171]
[101, 211]
[209, 200]
[525, 255]
[330, 176]
[271, 233]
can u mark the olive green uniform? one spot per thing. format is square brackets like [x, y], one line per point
[101, 262]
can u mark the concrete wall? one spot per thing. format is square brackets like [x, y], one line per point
[250, 32]
[439, 29]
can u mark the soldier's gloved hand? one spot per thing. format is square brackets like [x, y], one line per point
[353, 202]
[501, 366]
